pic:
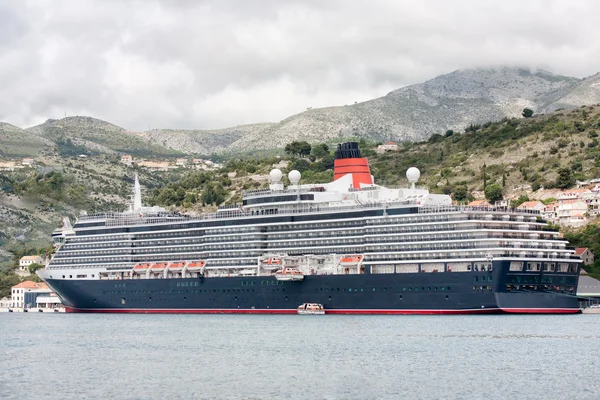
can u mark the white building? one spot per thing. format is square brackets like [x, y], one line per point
[25, 262]
[24, 293]
[549, 212]
[572, 213]
[5, 302]
[388, 146]
[127, 159]
[28, 260]
[592, 200]
[532, 205]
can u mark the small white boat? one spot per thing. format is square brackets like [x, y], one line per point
[593, 309]
[289, 274]
[311, 309]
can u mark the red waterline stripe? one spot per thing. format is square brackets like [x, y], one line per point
[541, 310]
[276, 311]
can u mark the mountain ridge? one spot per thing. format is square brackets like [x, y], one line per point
[452, 101]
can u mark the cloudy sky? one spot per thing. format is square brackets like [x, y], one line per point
[211, 64]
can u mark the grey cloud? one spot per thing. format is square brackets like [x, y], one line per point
[210, 64]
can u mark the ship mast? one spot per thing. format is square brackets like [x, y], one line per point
[137, 195]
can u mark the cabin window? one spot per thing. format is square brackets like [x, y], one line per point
[516, 266]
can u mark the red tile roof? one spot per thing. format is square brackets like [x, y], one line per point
[530, 204]
[476, 203]
[31, 285]
[580, 250]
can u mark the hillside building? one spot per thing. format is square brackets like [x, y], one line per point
[388, 146]
[479, 203]
[156, 165]
[181, 162]
[585, 254]
[572, 212]
[549, 212]
[29, 162]
[25, 262]
[127, 159]
[532, 205]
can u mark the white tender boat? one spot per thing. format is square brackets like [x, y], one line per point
[593, 309]
[311, 309]
[289, 274]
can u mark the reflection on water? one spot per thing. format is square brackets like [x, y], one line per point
[298, 357]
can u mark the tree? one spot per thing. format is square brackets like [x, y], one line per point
[300, 164]
[527, 112]
[484, 175]
[493, 193]
[320, 150]
[461, 192]
[564, 179]
[522, 199]
[449, 133]
[213, 194]
[34, 267]
[298, 148]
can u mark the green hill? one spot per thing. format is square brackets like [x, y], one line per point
[545, 151]
[86, 135]
[16, 142]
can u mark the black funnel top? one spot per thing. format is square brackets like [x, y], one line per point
[347, 150]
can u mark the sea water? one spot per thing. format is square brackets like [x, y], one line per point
[102, 356]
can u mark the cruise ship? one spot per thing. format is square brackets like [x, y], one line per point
[350, 245]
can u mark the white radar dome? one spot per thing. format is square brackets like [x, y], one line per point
[294, 177]
[275, 175]
[413, 174]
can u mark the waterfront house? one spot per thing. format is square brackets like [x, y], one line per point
[5, 302]
[25, 293]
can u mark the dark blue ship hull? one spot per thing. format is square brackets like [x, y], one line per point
[412, 293]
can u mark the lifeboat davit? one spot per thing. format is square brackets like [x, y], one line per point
[289, 274]
[351, 260]
[141, 268]
[195, 266]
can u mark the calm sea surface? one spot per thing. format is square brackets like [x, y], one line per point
[80, 356]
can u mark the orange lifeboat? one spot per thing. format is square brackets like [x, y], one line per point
[351, 260]
[271, 263]
[158, 267]
[289, 274]
[176, 266]
[141, 268]
[195, 266]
